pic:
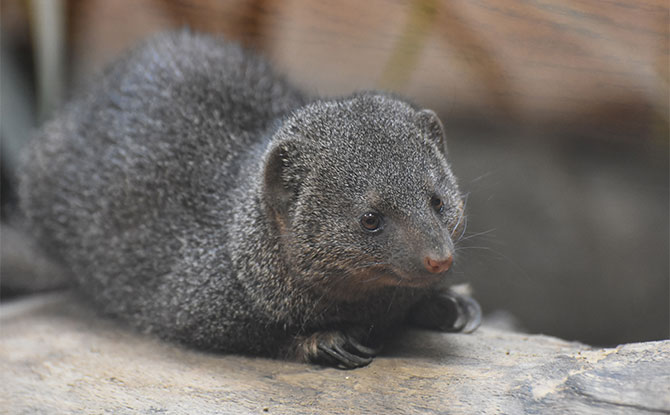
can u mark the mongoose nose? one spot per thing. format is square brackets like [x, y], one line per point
[438, 266]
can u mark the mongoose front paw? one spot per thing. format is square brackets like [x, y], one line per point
[337, 348]
[449, 312]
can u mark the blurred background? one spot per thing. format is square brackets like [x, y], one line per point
[556, 113]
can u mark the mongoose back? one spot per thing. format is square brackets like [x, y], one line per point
[196, 194]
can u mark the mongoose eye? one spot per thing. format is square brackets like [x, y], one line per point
[437, 204]
[371, 222]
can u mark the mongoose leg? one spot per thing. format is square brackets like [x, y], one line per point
[448, 311]
[338, 348]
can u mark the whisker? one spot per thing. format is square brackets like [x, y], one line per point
[498, 254]
[465, 198]
[474, 235]
[393, 296]
[465, 227]
[483, 176]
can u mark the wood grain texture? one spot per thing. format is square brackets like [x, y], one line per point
[600, 63]
[56, 358]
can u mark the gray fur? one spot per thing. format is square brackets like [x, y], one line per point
[194, 193]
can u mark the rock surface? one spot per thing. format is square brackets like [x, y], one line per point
[58, 357]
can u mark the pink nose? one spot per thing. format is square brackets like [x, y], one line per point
[438, 266]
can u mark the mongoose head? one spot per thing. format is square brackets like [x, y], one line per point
[362, 194]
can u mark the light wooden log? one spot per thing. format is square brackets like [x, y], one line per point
[56, 357]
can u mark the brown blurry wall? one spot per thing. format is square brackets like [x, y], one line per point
[557, 118]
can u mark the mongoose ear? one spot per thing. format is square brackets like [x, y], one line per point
[433, 129]
[282, 177]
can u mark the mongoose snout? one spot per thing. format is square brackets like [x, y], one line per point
[437, 266]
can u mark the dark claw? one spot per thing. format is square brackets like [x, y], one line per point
[448, 312]
[338, 349]
[364, 350]
[457, 317]
[332, 357]
[474, 313]
[345, 359]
